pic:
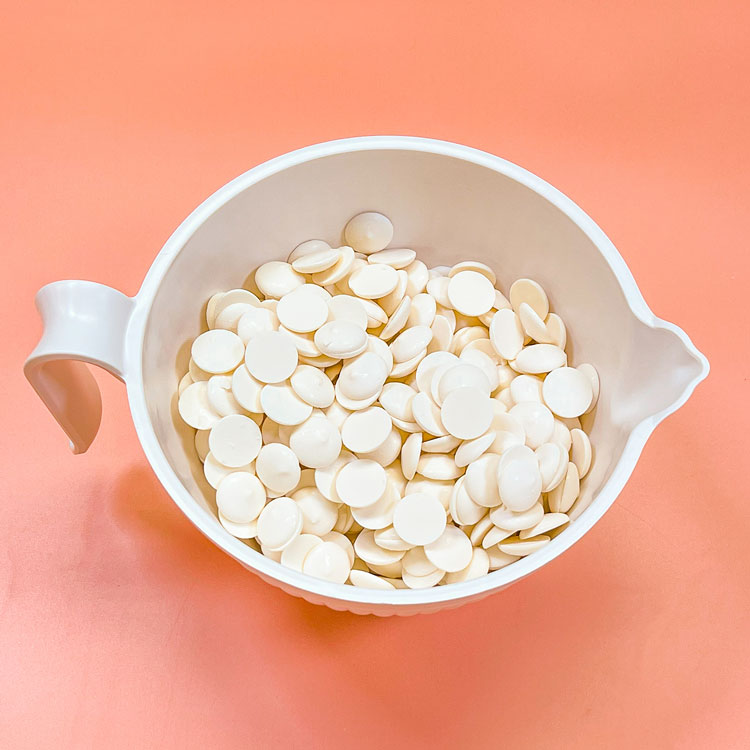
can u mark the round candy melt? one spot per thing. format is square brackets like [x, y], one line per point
[471, 293]
[271, 357]
[439, 489]
[427, 414]
[521, 547]
[360, 483]
[352, 404]
[476, 266]
[346, 307]
[302, 311]
[506, 334]
[279, 523]
[240, 497]
[438, 288]
[481, 480]
[398, 319]
[196, 373]
[373, 281]
[294, 554]
[326, 476]
[451, 551]
[235, 441]
[365, 430]
[464, 511]
[230, 317]
[341, 339]
[369, 232]
[368, 550]
[567, 392]
[540, 358]
[528, 291]
[533, 325]
[519, 481]
[387, 452]
[478, 567]
[246, 390]
[379, 347]
[423, 582]
[438, 466]
[317, 260]
[561, 499]
[316, 442]
[410, 452]
[379, 514]
[227, 299]
[304, 343]
[387, 538]
[256, 320]
[461, 375]
[396, 257]
[277, 278]
[480, 530]
[429, 366]
[415, 562]
[590, 372]
[422, 310]
[471, 450]
[556, 330]
[363, 376]
[499, 559]
[526, 388]
[201, 443]
[195, 408]
[214, 471]
[553, 462]
[283, 405]
[484, 362]
[580, 453]
[417, 277]
[466, 413]
[239, 530]
[441, 335]
[364, 580]
[307, 248]
[419, 518]
[444, 444]
[396, 399]
[513, 521]
[219, 392]
[277, 467]
[185, 381]
[327, 561]
[402, 369]
[319, 514]
[337, 272]
[537, 422]
[313, 386]
[343, 542]
[548, 522]
[217, 351]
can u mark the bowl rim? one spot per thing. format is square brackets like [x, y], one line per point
[403, 598]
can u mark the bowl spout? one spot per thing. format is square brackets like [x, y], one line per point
[663, 368]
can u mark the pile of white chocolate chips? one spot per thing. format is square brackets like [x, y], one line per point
[365, 419]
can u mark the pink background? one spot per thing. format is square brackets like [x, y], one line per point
[120, 626]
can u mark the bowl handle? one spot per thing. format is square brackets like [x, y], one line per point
[83, 322]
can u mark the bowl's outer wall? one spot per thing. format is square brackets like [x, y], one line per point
[448, 210]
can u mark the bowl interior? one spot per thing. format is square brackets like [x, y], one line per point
[444, 207]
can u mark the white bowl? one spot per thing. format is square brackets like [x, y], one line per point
[446, 201]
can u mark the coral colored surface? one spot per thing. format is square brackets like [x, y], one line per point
[122, 627]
